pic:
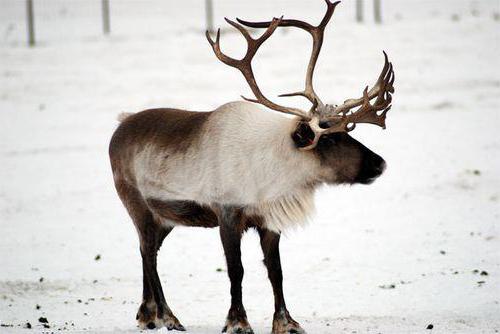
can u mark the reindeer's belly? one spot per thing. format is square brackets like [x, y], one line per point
[189, 213]
[183, 213]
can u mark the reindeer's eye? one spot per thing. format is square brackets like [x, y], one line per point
[303, 136]
[325, 125]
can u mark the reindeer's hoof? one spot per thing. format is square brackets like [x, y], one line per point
[284, 324]
[171, 322]
[236, 322]
[148, 318]
[237, 327]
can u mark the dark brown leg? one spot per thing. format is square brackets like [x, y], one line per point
[231, 232]
[154, 311]
[154, 303]
[283, 323]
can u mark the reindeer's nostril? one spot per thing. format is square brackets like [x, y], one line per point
[371, 168]
[381, 168]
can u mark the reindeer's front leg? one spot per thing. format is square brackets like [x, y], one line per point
[282, 321]
[231, 232]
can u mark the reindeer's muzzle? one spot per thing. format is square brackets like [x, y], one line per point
[372, 166]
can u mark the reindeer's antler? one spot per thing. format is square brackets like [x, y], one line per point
[368, 113]
[342, 119]
[339, 118]
[317, 33]
[245, 65]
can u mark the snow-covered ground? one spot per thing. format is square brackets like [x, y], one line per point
[393, 257]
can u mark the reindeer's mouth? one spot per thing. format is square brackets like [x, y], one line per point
[368, 181]
[370, 171]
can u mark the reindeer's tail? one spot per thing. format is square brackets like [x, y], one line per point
[123, 116]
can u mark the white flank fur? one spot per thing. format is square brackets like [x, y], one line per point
[244, 157]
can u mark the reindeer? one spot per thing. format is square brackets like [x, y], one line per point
[241, 167]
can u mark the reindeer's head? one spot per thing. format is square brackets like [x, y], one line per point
[324, 128]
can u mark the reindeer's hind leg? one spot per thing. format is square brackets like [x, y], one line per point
[154, 311]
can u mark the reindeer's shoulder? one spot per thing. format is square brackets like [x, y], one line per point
[246, 118]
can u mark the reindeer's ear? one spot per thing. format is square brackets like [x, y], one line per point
[303, 135]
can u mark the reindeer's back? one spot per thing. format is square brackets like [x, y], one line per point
[164, 127]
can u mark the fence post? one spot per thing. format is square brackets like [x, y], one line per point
[377, 11]
[30, 22]
[105, 17]
[209, 11]
[359, 10]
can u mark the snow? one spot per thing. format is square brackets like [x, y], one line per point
[425, 226]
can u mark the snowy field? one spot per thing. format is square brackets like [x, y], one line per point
[421, 246]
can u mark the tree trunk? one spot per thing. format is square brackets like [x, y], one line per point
[377, 11]
[359, 10]
[209, 11]
[31, 22]
[106, 27]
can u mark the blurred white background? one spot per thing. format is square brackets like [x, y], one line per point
[394, 257]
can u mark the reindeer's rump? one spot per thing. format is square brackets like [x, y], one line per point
[169, 131]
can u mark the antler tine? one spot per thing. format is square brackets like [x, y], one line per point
[284, 23]
[343, 121]
[216, 47]
[242, 30]
[317, 33]
[329, 12]
[245, 65]
[383, 84]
